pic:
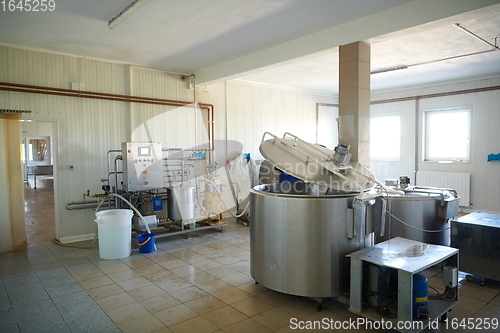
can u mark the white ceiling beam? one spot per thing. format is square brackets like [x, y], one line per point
[406, 16]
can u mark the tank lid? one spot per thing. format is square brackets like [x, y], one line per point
[315, 164]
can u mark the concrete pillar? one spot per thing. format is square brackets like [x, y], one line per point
[13, 234]
[354, 100]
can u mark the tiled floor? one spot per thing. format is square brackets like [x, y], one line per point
[39, 215]
[201, 284]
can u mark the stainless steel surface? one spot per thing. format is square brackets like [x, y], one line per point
[477, 236]
[407, 257]
[404, 254]
[300, 188]
[449, 199]
[46, 169]
[427, 211]
[314, 164]
[298, 243]
[360, 224]
[141, 166]
[180, 203]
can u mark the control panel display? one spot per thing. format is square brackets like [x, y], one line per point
[142, 166]
[144, 151]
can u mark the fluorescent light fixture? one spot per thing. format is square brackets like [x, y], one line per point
[125, 13]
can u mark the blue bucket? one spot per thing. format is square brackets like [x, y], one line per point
[146, 243]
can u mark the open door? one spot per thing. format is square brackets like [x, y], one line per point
[39, 191]
[327, 133]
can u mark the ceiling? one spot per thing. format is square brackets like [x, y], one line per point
[286, 43]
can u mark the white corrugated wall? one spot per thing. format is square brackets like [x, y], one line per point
[254, 109]
[484, 139]
[87, 128]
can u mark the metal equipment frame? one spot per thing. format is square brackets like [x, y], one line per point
[386, 254]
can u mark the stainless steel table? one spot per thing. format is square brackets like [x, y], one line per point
[38, 170]
[477, 236]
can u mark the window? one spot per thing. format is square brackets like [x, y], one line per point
[37, 150]
[385, 137]
[446, 135]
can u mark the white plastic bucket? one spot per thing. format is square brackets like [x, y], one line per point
[115, 233]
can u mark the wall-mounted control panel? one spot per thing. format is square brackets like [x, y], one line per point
[142, 166]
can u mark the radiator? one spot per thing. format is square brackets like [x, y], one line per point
[455, 180]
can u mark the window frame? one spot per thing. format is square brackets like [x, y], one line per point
[48, 155]
[426, 140]
[388, 159]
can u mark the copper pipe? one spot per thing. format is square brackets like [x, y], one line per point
[92, 93]
[16, 87]
[211, 125]
[76, 94]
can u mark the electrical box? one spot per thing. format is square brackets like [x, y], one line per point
[450, 276]
[142, 166]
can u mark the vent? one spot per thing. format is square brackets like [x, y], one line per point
[6, 111]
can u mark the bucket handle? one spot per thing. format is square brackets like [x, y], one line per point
[147, 240]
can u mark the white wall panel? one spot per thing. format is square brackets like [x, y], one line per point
[484, 140]
[87, 128]
[253, 110]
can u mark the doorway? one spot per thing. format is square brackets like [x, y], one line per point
[38, 142]
[327, 133]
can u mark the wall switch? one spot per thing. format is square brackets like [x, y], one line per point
[450, 276]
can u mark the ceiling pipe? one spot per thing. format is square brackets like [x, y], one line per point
[429, 62]
[495, 47]
[476, 36]
[126, 13]
[389, 70]
[184, 77]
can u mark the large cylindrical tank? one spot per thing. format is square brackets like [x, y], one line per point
[298, 240]
[426, 214]
[180, 203]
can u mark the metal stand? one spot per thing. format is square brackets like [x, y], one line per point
[407, 257]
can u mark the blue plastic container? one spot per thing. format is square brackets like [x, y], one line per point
[146, 243]
[157, 204]
[420, 292]
[284, 177]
